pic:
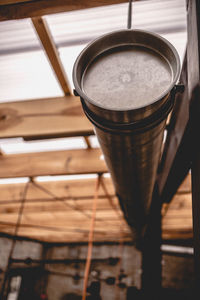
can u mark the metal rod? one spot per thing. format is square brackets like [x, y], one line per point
[129, 24]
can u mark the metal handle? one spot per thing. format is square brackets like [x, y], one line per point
[129, 23]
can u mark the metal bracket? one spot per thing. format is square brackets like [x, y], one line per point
[179, 88]
[75, 93]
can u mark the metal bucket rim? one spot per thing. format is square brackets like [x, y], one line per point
[131, 128]
[81, 93]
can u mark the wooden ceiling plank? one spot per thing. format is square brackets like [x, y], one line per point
[54, 205]
[10, 2]
[66, 228]
[185, 186]
[62, 217]
[176, 224]
[177, 235]
[51, 51]
[45, 7]
[73, 238]
[77, 189]
[78, 237]
[179, 202]
[44, 118]
[87, 141]
[67, 162]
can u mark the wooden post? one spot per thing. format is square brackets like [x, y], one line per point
[193, 60]
[151, 252]
[196, 218]
[172, 170]
[87, 141]
[194, 114]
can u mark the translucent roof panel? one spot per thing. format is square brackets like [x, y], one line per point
[25, 70]
[17, 146]
[17, 36]
[80, 27]
[72, 31]
[26, 76]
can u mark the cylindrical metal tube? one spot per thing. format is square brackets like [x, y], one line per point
[125, 80]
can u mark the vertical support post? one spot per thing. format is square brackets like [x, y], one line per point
[196, 217]
[193, 60]
[151, 252]
[87, 141]
[195, 168]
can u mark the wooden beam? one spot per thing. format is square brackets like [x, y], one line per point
[44, 118]
[55, 205]
[151, 279]
[45, 7]
[68, 189]
[177, 234]
[52, 163]
[10, 2]
[174, 226]
[70, 237]
[185, 186]
[51, 51]
[64, 230]
[173, 154]
[193, 60]
[176, 223]
[177, 215]
[63, 218]
[77, 195]
[87, 141]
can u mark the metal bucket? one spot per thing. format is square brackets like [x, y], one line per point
[125, 80]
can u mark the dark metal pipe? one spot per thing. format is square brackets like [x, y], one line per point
[126, 81]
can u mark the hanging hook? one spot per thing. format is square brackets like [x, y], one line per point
[129, 15]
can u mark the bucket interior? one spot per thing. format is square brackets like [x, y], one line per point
[126, 70]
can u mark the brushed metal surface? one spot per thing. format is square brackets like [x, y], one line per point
[125, 80]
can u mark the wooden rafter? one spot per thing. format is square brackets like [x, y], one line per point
[176, 140]
[44, 118]
[68, 189]
[44, 7]
[62, 219]
[183, 141]
[67, 162]
[51, 51]
[193, 60]
[10, 2]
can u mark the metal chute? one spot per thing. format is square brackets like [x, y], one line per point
[126, 80]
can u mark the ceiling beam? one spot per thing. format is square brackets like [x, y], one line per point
[39, 8]
[9, 2]
[176, 219]
[44, 118]
[67, 162]
[77, 189]
[44, 34]
[58, 205]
